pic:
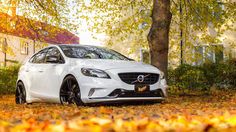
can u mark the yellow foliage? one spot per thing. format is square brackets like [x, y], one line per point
[208, 113]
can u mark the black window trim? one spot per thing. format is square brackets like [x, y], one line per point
[31, 59]
[44, 62]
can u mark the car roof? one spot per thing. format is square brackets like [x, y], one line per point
[68, 45]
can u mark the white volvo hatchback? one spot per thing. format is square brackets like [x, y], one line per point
[81, 74]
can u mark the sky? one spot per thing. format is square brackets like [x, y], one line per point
[87, 37]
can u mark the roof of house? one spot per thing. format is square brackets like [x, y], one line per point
[35, 30]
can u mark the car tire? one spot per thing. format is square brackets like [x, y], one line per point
[70, 92]
[20, 94]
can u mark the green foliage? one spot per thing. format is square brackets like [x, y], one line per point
[56, 12]
[223, 74]
[8, 77]
[220, 75]
[188, 77]
[127, 23]
[124, 22]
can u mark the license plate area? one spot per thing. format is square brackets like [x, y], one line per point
[142, 88]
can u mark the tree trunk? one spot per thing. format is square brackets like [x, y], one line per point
[158, 36]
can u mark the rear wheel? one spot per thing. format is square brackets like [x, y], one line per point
[20, 95]
[70, 92]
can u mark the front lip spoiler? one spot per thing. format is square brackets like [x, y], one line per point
[111, 99]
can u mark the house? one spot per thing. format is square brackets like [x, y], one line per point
[199, 53]
[21, 37]
[216, 52]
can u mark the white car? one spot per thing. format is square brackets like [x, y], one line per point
[81, 74]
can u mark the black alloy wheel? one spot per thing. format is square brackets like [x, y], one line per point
[70, 92]
[20, 95]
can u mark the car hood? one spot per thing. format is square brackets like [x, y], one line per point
[111, 64]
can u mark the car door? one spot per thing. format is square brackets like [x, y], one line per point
[36, 72]
[52, 70]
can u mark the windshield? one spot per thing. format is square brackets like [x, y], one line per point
[91, 52]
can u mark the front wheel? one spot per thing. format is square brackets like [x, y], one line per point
[70, 92]
[20, 95]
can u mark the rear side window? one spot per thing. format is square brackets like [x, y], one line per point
[39, 57]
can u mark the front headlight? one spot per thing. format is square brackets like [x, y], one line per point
[94, 73]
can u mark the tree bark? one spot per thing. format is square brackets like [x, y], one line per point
[158, 36]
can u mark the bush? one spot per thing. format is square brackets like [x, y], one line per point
[8, 77]
[222, 75]
[219, 75]
[231, 74]
[187, 77]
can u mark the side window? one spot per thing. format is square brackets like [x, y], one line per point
[24, 48]
[3, 44]
[55, 54]
[39, 57]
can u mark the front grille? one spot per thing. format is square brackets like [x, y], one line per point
[132, 78]
[130, 93]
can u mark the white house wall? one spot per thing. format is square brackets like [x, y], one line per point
[14, 43]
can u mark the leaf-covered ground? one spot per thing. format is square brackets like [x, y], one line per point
[216, 112]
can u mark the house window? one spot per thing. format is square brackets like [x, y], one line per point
[24, 48]
[213, 53]
[199, 55]
[3, 44]
[219, 53]
[209, 53]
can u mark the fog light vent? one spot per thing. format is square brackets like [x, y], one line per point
[91, 92]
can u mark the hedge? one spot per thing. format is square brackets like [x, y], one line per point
[218, 75]
[8, 77]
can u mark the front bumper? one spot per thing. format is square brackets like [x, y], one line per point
[97, 90]
[94, 92]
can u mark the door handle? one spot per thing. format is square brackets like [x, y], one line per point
[40, 71]
[26, 70]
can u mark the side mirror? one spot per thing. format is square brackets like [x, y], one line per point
[52, 59]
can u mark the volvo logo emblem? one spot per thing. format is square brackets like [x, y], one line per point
[140, 78]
